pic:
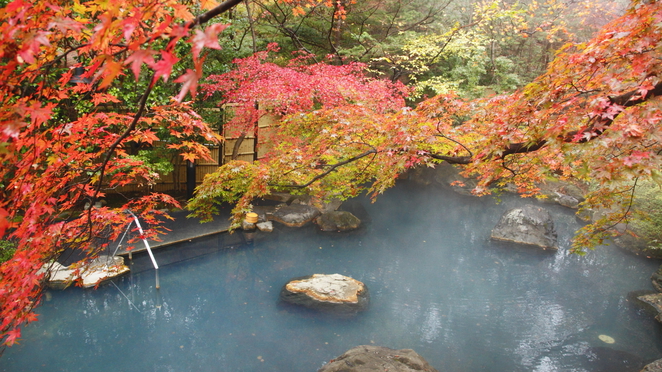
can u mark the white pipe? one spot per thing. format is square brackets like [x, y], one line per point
[140, 229]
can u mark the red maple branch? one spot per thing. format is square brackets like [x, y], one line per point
[590, 132]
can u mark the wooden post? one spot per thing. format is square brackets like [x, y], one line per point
[190, 179]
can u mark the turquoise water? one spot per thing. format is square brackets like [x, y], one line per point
[437, 285]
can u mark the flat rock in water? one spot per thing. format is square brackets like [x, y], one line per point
[368, 358]
[529, 225]
[282, 197]
[91, 273]
[337, 221]
[295, 215]
[59, 276]
[266, 226]
[332, 293]
[102, 268]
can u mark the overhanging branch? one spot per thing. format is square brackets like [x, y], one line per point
[332, 168]
[597, 128]
[219, 9]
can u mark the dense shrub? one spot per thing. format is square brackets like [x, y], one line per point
[648, 216]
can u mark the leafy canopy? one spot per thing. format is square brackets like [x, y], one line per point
[592, 117]
[67, 133]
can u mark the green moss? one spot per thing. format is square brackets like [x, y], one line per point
[647, 222]
[7, 250]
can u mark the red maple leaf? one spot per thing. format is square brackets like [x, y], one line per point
[12, 336]
[4, 222]
[164, 66]
[32, 45]
[138, 58]
[208, 38]
[189, 83]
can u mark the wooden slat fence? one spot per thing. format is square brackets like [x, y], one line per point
[252, 147]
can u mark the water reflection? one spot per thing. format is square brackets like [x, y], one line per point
[437, 284]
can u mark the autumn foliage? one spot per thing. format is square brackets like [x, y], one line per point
[592, 118]
[330, 113]
[66, 131]
[56, 157]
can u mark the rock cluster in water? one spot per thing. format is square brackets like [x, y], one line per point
[88, 273]
[334, 293]
[299, 211]
[368, 358]
[530, 225]
[295, 215]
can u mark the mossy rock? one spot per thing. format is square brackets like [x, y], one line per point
[637, 245]
[338, 221]
[369, 358]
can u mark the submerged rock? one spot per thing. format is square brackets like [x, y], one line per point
[295, 215]
[608, 359]
[337, 221]
[529, 225]
[656, 366]
[368, 358]
[331, 293]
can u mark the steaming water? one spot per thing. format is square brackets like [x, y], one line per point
[437, 286]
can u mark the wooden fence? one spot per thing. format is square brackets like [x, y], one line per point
[252, 147]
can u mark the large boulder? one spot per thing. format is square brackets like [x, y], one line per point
[633, 240]
[656, 279]
[530, 225]
[337, 221]
[564, 193]
[333, 293]
[295, 215]
[448, 175]
[367, 358]
[325, 205]
[654, 302]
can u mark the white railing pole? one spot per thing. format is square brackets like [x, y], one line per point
[149, 250]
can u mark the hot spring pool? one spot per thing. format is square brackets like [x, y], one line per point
[437, 285]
